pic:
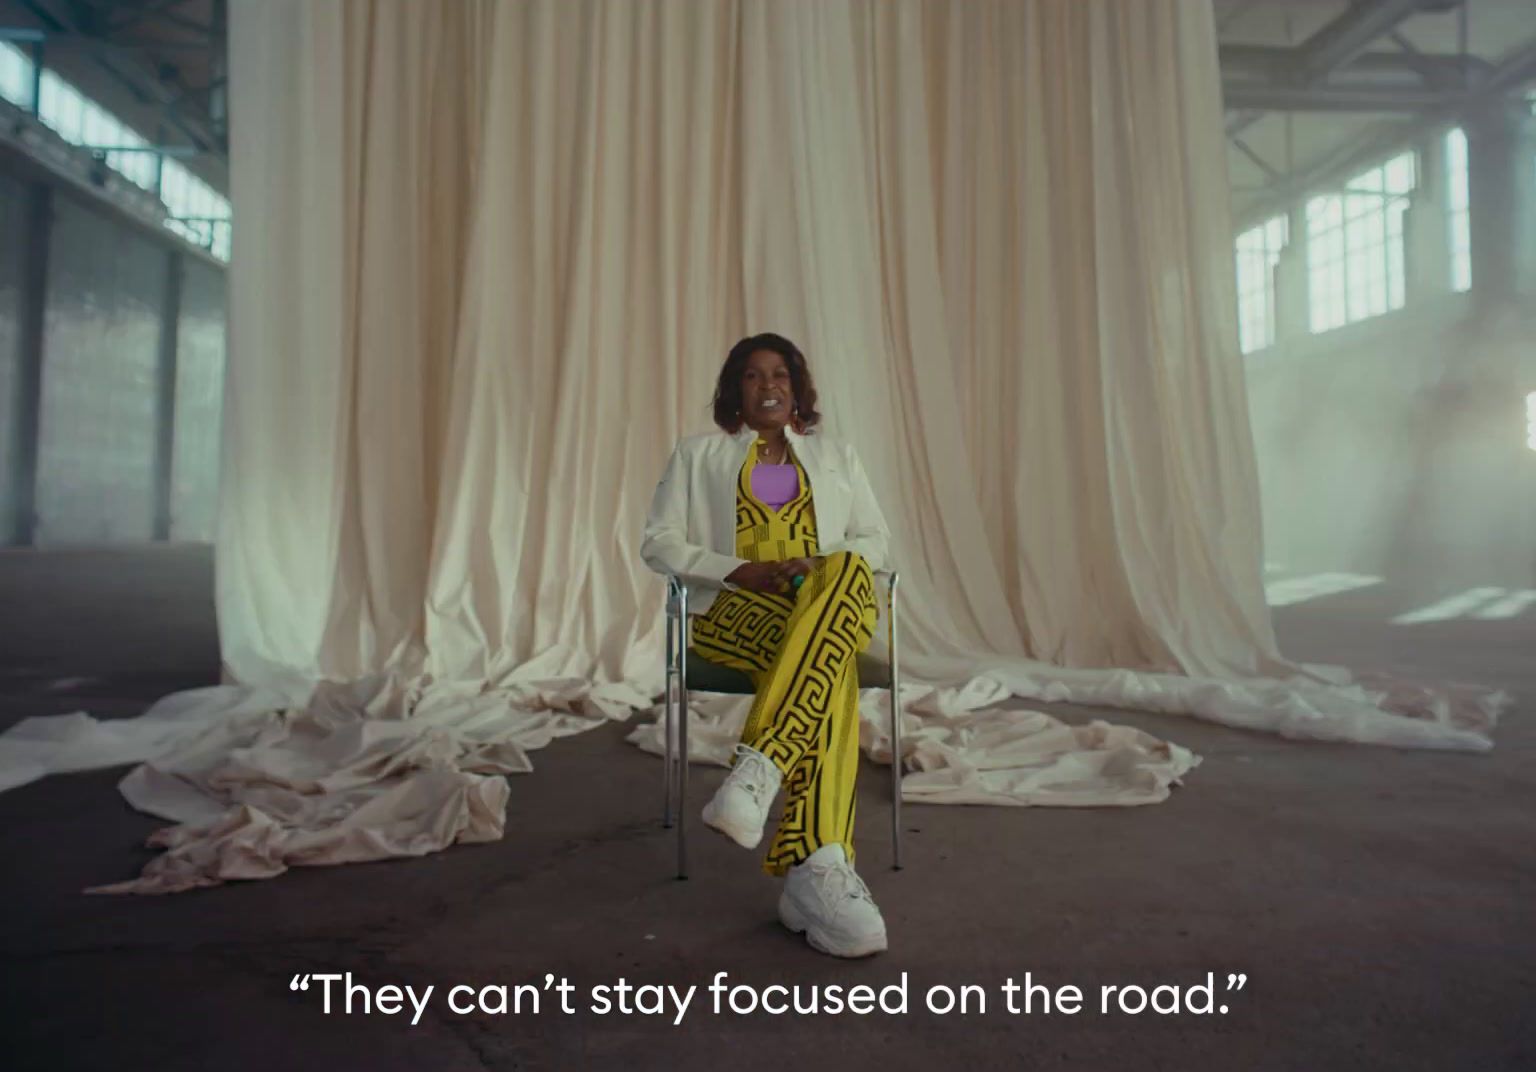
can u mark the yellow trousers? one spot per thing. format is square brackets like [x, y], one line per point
[799, 652]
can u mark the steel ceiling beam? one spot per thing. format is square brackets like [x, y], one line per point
[165, 18]
[1252, 96]
[115, 45]
[1511, 74]
[1247, 64]
[1347, 36]
[1258, 161]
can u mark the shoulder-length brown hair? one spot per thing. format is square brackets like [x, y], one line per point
[728, 388]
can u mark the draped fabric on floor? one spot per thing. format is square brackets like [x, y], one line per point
[489, 257]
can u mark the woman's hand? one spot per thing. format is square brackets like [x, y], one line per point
[777, 578]
[796, 567]
[759, 577]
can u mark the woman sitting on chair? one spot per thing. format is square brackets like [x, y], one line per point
[779, 527]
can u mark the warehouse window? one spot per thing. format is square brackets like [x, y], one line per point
[15, 76]
[1355, 245]
[1457, 202]
[78, 119]
[197, 211]
[1258, 250]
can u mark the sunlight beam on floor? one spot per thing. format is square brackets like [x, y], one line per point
[1457, 606]
[1314, 586]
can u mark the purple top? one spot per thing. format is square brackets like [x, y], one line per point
[775, 485]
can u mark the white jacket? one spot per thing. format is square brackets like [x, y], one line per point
[691, 529]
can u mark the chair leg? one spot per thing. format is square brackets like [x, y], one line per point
[896, 756]
[668, 758]
[682, 734]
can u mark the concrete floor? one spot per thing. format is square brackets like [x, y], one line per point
[1379, 902]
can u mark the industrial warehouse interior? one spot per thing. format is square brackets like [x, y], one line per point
[1190, 350]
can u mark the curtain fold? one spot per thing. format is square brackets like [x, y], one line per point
[355, 167]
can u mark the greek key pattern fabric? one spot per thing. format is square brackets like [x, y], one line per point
[800, 653]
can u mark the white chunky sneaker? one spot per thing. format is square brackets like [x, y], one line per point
[739, 808]
[825, 899]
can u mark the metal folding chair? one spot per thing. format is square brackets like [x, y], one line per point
[685, 672]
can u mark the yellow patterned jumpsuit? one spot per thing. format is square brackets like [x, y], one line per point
[799, 651]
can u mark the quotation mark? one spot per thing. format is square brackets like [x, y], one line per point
[1234, 982]
[299, 982]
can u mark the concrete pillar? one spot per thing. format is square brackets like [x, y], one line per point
[1426, 227]
[29, 393]
[1292, 297]
[165, 396]
[1501, 156]
[1501, 159]
[1524, 165]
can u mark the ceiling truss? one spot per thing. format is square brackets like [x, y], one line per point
[145, 47]
[1362, 63]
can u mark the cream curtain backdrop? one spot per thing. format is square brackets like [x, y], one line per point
[488, 259]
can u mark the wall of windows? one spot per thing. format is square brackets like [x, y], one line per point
[1258, 251]
[197, 211]
[1458, 209]
[1355, 263]
[110, 418]
[1355, 243]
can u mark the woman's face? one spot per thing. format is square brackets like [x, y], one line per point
[767, 394]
